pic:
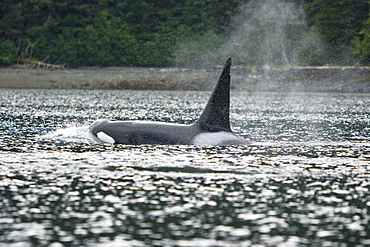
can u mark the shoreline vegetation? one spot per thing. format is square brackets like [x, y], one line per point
[163, 33]
[341, 79]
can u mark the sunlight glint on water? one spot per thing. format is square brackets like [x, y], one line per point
[305, 180]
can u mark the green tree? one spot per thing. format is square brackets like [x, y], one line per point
[161, 25]
[166, 32]
[8, 53]
[338, 22]
[105, 41]
[362, 44]
[108, 32]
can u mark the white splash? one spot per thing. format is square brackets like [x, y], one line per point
[70, 134]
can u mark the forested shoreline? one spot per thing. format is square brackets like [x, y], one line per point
[185, 33]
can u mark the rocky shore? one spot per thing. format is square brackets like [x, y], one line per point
[296, 79]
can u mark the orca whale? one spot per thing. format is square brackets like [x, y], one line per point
[211, 129]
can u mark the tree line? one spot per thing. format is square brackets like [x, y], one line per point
[189, 32]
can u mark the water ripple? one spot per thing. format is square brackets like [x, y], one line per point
[304, 181]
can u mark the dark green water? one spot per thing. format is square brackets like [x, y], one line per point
[305, 180]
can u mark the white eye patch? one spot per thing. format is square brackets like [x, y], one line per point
[105, 138]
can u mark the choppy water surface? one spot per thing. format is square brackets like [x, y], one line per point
[304, 181]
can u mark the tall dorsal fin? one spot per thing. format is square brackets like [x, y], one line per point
[216, 114]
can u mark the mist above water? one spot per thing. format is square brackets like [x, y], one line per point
[267, 33]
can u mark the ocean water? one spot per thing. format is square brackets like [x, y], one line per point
[304, 180]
